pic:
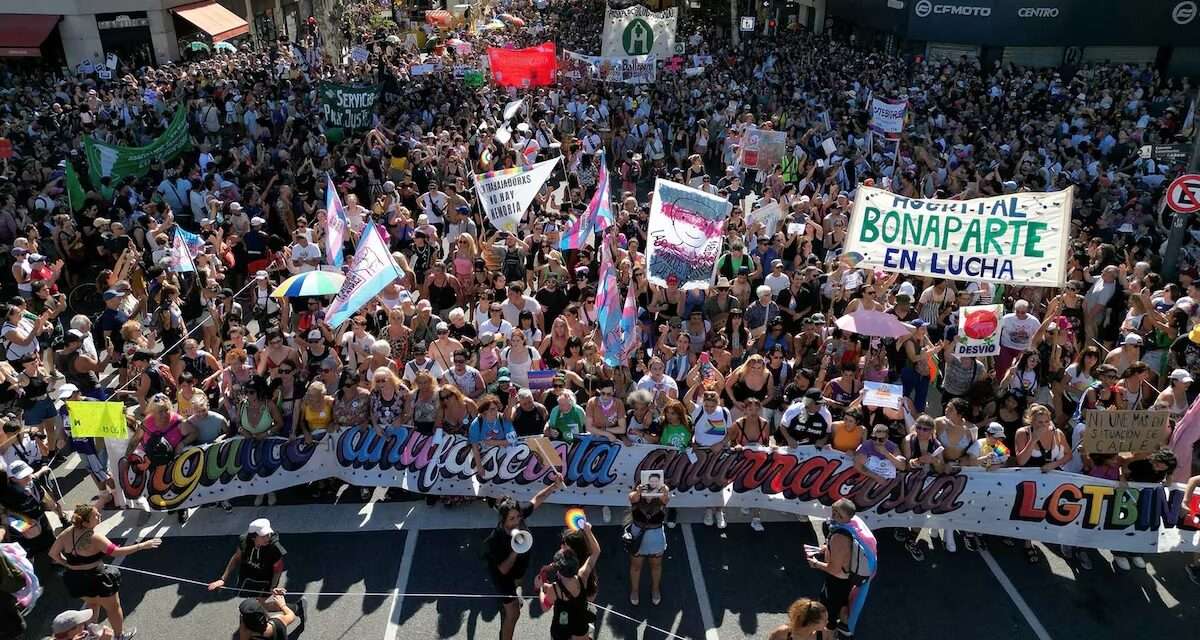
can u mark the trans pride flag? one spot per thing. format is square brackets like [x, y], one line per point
[336, 224]
[599, 214]
[616, 321]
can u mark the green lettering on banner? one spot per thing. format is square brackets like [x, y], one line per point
[933, 232]
[991, 238]
[1124, 509]
[911, 232]
[953, 225]
[970, 241]
[1015, 226]
[870, 230]
[120, 162]
[1033, 238]
[891, 226]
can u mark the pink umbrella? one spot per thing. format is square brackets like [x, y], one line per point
[873, 323]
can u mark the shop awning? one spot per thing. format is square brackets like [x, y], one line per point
[22, 35]
[213, 19]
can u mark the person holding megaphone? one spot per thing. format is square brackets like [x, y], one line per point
[507, 552]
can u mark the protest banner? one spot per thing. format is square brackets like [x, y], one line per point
[763, 148]
[624, 69]
[119, 162]
[97, 419]
[887, 117]
[882, 394]
[684, 234]
[1020, 239]
[979, 330]
[372, 269]
[638, 31]
[529, 67]
[1054, 507]
[505, 194]
[348, 106]
[1111, 431]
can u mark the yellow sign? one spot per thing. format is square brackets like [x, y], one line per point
[97, 419]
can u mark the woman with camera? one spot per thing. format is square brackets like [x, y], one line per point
[644, 536]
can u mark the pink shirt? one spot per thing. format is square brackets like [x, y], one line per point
[170, 431]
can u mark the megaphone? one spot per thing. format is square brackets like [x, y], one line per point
[522, 541]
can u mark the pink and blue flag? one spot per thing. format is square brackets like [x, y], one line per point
[608, 311]
[336, 224]
[597, 217]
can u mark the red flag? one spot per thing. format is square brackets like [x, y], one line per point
[532, 67]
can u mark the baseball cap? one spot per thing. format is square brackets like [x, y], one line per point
[1181, 375]
[257, 221]
[918, 323]
[908, 289]
[65, 391]
[19, 469]
[37, 257]
[70, 619]
[403, 297]
[315, 334]
[814, 395]
[260, 527]
[503, 375]
[261, 275]
[996, 430]
[1133, 339]
[112, 293]
[254, 615]
[442, 326]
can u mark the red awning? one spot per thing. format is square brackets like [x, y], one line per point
[213, 19]
[22, 35]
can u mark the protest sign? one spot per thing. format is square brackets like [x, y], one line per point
[505, 194]
[1053, 507]
[1020, 238]
[120, 162]
[684, 235]
[423, 69]
[768, 215]
[348, 106]
[638, 31]
[979, 330]
[763, 148]
[882, 394]
[626, 69]
[97, 419]
[1110, 431]
[372, 269]
[887, 117]
[529, 67]
[359, 54]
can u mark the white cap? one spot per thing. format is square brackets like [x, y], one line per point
[19, 469]
[260, 527]
[235, 206]
[1181, 375]
[65, 391]
[1133, 339]
[908, 289]
[257, 221]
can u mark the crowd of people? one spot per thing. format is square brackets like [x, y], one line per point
[754, 359]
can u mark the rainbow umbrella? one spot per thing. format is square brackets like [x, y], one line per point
[310, 283]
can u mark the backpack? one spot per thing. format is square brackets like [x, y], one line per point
[161, 376]
[159, 450]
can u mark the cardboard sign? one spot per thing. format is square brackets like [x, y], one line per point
[541, 447]
[1124, 431]
[881, 394]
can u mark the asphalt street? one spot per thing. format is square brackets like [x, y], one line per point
[349, 560]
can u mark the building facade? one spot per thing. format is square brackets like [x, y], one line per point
[1165, 33]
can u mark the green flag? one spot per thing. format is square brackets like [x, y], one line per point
[75, 193]
[119, 162]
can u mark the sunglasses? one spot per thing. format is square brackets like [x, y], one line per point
[284, 372]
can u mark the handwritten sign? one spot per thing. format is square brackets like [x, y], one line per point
[1124, 431]
[97, 419]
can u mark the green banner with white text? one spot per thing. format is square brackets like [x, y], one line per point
[348, 107]
[120, 162]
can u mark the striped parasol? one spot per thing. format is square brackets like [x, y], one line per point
[310, 283]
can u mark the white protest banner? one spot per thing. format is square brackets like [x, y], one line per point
[887, 116]
[979, 330]
[423, 69]
[110, 61]
[1020, 239]
[1111, 431]
[1054, 507]
[638, 31]
[505, 194]
[829, 147]
[625, 69]
[768, 215]
[372, 269]
[684, 235]
[882, 394]
[763, 148]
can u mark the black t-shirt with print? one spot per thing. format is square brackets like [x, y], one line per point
[259, 563]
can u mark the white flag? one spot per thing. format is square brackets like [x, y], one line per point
[506, 194]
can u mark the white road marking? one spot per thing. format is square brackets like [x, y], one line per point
[158, 529]
[706, 614]
[406, 562]
[1015, 596]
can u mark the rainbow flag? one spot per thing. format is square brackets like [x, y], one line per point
[597, 217]
[336, 224]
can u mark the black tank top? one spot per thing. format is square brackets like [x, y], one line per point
[570, 611]
[528, 423]
[441, 297]
[36, 390]
[66, 364]
[197, 366]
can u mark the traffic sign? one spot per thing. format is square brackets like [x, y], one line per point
[1183, 196]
